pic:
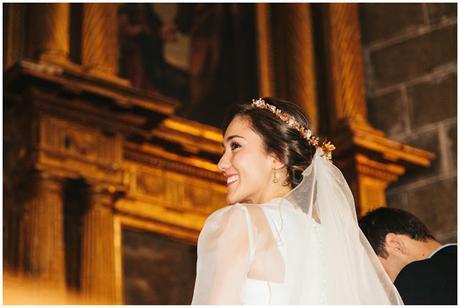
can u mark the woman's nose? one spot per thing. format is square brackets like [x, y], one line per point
[223, 163]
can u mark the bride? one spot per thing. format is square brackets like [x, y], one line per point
[290, 234]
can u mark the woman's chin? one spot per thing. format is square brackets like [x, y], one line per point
[232, 199]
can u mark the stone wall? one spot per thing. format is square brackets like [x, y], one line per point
[410, 53]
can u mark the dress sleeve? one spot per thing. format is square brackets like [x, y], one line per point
[224, 256]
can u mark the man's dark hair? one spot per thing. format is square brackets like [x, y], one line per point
[379, 222]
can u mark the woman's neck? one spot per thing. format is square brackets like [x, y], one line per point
[279, 191]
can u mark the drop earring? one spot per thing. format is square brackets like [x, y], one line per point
[275, 176]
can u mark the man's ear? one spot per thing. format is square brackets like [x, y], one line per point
[395, 244]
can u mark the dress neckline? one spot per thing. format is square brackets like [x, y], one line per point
[275, 202]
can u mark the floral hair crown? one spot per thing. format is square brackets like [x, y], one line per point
[290, 121]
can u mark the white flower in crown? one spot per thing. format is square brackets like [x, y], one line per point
[258, 103]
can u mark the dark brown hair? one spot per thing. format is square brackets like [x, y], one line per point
[278, 138]
[379, 222]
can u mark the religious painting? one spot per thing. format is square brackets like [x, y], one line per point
[157, 270]
[200, 54]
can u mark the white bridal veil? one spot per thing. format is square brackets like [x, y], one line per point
[333, 262]
[352, 271]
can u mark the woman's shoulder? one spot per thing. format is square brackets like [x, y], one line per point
[231, 219]
[229, 211]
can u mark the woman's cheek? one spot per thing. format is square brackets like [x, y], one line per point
[236, 159]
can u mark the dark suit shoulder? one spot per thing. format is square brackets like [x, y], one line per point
[416, 270]
[449, 252]
[429, 281]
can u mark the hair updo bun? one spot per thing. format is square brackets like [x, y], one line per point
[278, 138]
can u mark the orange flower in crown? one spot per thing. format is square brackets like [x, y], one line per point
[290, 121]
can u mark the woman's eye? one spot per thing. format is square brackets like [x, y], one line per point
[234, 145]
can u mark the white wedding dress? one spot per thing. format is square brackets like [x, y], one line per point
[280, 253]
[268, 245]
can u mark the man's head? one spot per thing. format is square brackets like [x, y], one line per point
[397, 237]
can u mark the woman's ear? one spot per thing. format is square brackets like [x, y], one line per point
[277, 163]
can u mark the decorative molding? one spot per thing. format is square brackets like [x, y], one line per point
[178, 192]
[152, 156]
[371, 162]
[80, 142]
[191, 135]
[121, 96]
[358, 136]
[76, 151]
[387, 172]
[189, 236]
[143, 216]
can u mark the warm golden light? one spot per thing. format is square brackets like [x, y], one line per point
[20, 290]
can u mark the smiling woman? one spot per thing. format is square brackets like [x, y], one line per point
[290, 215]
[249, 169]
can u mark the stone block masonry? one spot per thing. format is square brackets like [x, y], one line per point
[410, 53]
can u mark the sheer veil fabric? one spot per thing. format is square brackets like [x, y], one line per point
[305, 248]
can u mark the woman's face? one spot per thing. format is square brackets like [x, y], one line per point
[246, 165]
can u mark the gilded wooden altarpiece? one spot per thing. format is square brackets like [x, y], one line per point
[145, 168]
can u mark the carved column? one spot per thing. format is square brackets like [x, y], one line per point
[299, 75]
[98, 250]
[12, 214]
[344, 57]
[294, 57]
[369, 161]
[14, 29]
[346, 93]
[265, 52]
[100, 39]
[49, 32]
[42, 230]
